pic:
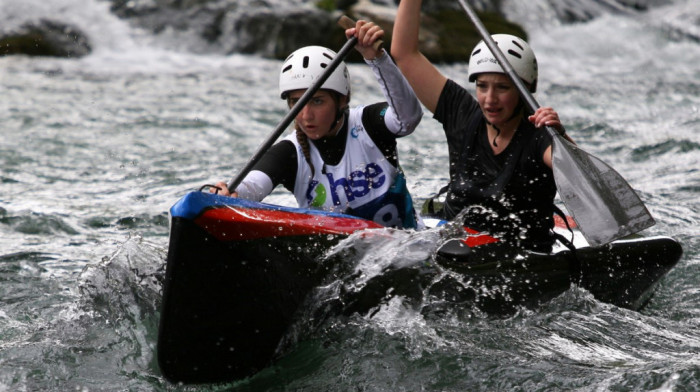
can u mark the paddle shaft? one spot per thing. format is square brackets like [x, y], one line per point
[289, 117]
[347, 23]
[493, 47]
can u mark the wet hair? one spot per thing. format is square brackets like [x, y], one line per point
[303, 141]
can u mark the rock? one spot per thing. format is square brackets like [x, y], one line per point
[277, 34]
[235, 26]
[45, 38]
[446, 34]
[200, 17]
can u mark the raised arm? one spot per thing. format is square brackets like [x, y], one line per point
[423, 76]
[404, 112]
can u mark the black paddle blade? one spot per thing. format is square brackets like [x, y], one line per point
[601, 202]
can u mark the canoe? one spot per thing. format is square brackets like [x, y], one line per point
[238, 272]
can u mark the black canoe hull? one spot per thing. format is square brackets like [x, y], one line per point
[232, 289]
[226, 305]
[623, 273]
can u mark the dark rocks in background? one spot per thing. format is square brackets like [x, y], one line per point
[275, 28]
[576, 11]
[456, 37]
[202, 17]
[446, 34]
[434, 6]
[276, 35]
[231, 26]
[258, 27]
[45, 38]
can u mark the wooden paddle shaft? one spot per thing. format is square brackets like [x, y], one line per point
[347, 23]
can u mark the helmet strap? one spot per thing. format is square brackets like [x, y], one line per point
[338, 119]
[516, 112]
[340, 113]
[498, 132]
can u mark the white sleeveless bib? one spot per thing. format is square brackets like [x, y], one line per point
[358, 182]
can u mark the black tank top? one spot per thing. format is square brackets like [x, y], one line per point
[510, 194]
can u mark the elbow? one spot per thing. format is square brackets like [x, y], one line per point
[410, 125]
[405, 60]
[398, 55]
[415, 121]
[398, 52]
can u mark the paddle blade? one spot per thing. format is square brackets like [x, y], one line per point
[601, 202]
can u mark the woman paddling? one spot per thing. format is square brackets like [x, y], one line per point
[339, 158]
[501, 177]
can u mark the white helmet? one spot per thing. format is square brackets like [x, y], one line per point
[517, 52]
[303, 67]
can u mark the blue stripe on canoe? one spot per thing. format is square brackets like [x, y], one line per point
[194, 203]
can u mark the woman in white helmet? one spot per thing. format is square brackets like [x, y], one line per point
[501, 177]
[340, 158]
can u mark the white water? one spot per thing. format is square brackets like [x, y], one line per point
[94, 151]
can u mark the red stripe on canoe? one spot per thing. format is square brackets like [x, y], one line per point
[240, 224]
[559, 222]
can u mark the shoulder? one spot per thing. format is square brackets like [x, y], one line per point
[536, 140]
[454, 101]
[285, 146]
[280, 154]
[282, 151]
[371, 119]
[280, 163]
[453, 92]
[374, 113]
[535, 135]
[458, 112]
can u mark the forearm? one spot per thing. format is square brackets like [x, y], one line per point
[406, 27]
[427, 81]
[255, 186]
[404, 113]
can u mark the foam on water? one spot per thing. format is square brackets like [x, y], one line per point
[95, 150]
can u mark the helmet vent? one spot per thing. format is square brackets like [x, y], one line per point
[305, 62]
[324, 65]
[517, 44]
[514, 54]
[287, 68]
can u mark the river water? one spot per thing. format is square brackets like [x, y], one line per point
[94, 151]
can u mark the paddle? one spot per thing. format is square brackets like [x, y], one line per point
[346, 23]
[601, 202]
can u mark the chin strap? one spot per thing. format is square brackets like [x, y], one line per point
[518, 110]
[498, 132]
[339, 116]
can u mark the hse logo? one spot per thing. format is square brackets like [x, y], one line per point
[358, 184]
